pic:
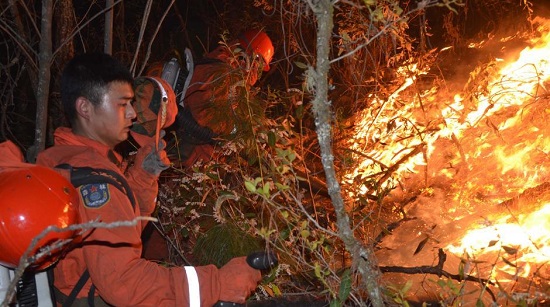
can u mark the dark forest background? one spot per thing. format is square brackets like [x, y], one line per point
[198, 25]
[276, 189]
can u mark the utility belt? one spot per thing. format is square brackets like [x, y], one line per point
[93, 300]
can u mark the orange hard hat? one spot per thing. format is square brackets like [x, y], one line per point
[154, 99]
[31, 199]
[258, 42]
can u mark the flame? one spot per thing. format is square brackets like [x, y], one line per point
[513, 242]
[363, 132]
[520, 232]
[514, 84]
[513, 158]
[528, 238]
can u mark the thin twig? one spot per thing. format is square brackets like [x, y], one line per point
[438, 270]
[155, 35]
[77, 30]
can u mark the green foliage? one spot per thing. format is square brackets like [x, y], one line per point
[223, 242]
[345, 289]
[399, 294]
[232, 204]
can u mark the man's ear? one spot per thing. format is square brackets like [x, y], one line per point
[83, 107]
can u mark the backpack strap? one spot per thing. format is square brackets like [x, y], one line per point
[79, 284]
[87, 175]
[91, 295]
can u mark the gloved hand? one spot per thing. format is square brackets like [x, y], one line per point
[237, 280]
[151, 160]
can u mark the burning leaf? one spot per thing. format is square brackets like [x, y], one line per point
[421, 245]
[508, 262]
[510, 250]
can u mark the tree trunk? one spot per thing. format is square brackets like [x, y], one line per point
[108, 35]
[363, 256]
[18, 20]
[44, 76]
[64, 14]
[64, 50]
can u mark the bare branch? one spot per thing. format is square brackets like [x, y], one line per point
[141, 31]
[77, 30]
[151, 41]
[363, 256]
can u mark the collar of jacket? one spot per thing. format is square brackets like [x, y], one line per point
[65, 136]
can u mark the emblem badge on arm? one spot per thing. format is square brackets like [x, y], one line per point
[95, 195]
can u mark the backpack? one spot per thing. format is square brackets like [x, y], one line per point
[177, 76]
[189, 130]
[32, 289]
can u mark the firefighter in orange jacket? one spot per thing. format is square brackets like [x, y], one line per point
[96, 92]
[211, 100]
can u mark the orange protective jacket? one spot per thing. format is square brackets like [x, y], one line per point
[208, 97]
[112, 256]
[211, 101]
[10, 156]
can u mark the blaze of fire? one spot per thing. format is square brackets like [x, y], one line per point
[524, 238]
[521, 239]
[527, 237]
[514, 84]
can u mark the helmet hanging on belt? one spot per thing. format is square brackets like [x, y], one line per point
[31, 199]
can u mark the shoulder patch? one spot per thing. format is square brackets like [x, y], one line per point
[95, 195]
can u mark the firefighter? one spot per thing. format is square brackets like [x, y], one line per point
[209, 106]
[154, 104]
[96, 92]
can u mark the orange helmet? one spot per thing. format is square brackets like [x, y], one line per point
[258, 42]
[31, 199]
[151, 93]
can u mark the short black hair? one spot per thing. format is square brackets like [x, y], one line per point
[89, 75]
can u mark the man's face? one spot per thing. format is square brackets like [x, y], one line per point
[112, 119]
